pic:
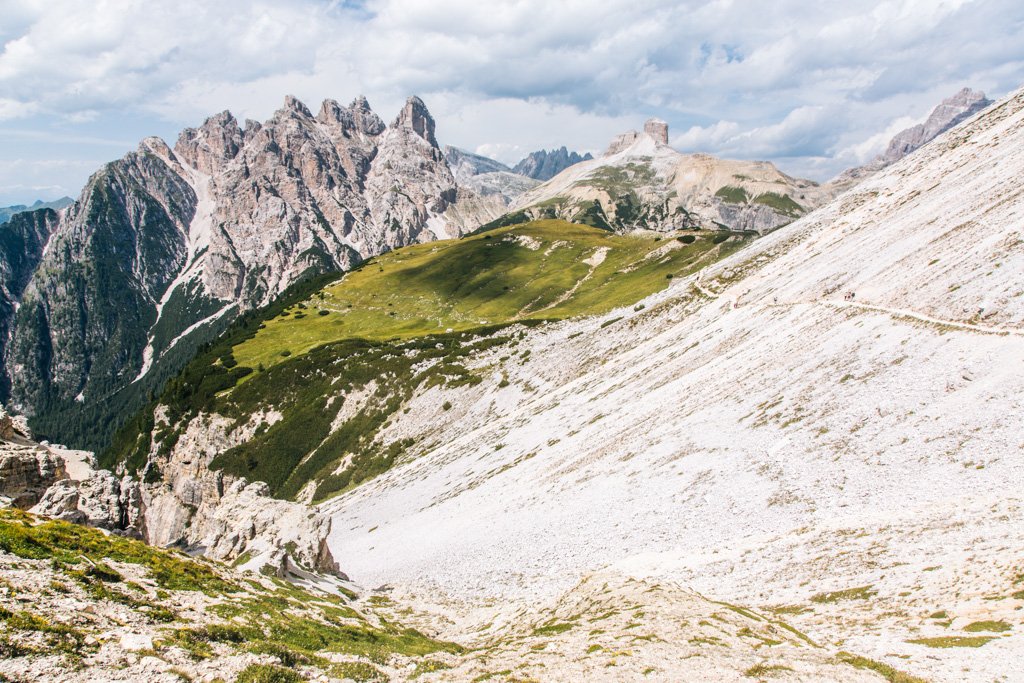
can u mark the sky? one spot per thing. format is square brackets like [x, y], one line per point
[815, 87]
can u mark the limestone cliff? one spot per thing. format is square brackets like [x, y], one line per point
[165, 246]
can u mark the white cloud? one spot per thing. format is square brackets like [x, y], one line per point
[861, 152]
[16, 109]
[22, 181]
[809, 85]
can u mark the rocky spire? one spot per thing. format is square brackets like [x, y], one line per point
[356, 118]
[292, 103]
[365, 119]
[416, 118]
[654, 128]
[657, 129]
[213, 144]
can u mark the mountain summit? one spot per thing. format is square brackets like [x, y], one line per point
[641, 182]
[165, 246]
[949, 113]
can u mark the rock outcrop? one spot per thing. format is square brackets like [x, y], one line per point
[165, 246]
[27, 469]
[225, 517]
[26, 473]
[657, 130]
[642, 183]
[247, 523]
[205, 512]
[101, 500]
[545, 165]
[488, 178]
[950, 112]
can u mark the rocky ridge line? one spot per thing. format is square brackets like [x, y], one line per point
[545, 165]
[952, 111]
[165, 246]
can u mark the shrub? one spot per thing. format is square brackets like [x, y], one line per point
[268, 673]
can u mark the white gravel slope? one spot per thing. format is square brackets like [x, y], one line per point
[766, 445]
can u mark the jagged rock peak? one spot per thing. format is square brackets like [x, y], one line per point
[358, 116]
[330, 110]
[417, 118]
[216, 141]
[251, 128]
[657, 129]
[544, 165]
[292, 103]
[223, 125]
[950, 112]
[224, 119]
[156, 145]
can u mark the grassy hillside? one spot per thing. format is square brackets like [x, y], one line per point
[546, 269]
[400, 324]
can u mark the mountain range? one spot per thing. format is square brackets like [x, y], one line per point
[642, 182]
[7, 211]
[545, 165]
[661, 416]
[165, 247]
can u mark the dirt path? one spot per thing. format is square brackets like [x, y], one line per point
[907, 313]
[901, 312]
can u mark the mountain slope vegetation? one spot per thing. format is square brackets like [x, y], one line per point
[544, 270]
[316, 378]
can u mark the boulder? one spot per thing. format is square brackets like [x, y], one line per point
[26, 472]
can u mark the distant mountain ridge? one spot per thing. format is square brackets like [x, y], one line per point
[545, 165]
[57, 204]
[485, 176]
[951, 112]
